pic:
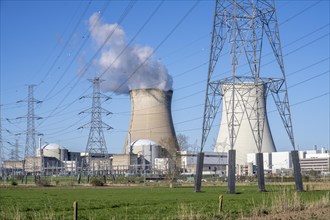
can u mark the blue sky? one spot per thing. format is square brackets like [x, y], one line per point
[46, 43]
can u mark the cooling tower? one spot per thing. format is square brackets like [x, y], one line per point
[246, 96]
[151, 118]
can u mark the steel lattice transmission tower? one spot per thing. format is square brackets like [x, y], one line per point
[243, 25]
[30, 143]
[2, 141]
[96, 143]
[14, 153]
[2, 152]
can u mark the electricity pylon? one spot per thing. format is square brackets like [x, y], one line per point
[96, 142]
[30, 143]
[2, 151]
[244, 24]
[14, 153]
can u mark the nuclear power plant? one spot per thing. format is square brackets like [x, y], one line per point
[151, 148]
[245, 96]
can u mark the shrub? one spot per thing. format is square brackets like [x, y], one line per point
[43, 182]
[96, 181]
[13, 183]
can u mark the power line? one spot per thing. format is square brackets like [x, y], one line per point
[300, 13]
[310, 99]
[309, 79]
[309, 66]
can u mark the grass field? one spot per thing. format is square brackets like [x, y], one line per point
[144, 202]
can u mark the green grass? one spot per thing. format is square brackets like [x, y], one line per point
[134, 203]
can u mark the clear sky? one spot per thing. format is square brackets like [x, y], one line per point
[48, 43]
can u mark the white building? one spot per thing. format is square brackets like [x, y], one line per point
[251, 158]
[317, 160]
[214, 162]
[279, 162]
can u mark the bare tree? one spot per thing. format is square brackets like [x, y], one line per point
[183, 142]
[171, 151]
[184, 145]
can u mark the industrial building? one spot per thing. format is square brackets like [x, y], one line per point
[146, 157]
[214, 162]
[316, 160]
[281, 162]
[54, 159]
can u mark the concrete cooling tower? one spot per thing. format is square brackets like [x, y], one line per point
[245, 97]
[151, 118]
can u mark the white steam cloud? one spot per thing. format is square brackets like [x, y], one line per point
[123, 69]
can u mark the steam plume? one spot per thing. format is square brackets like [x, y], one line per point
[119, 78]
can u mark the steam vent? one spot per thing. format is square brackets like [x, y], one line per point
[151, 118]
[245, 92]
